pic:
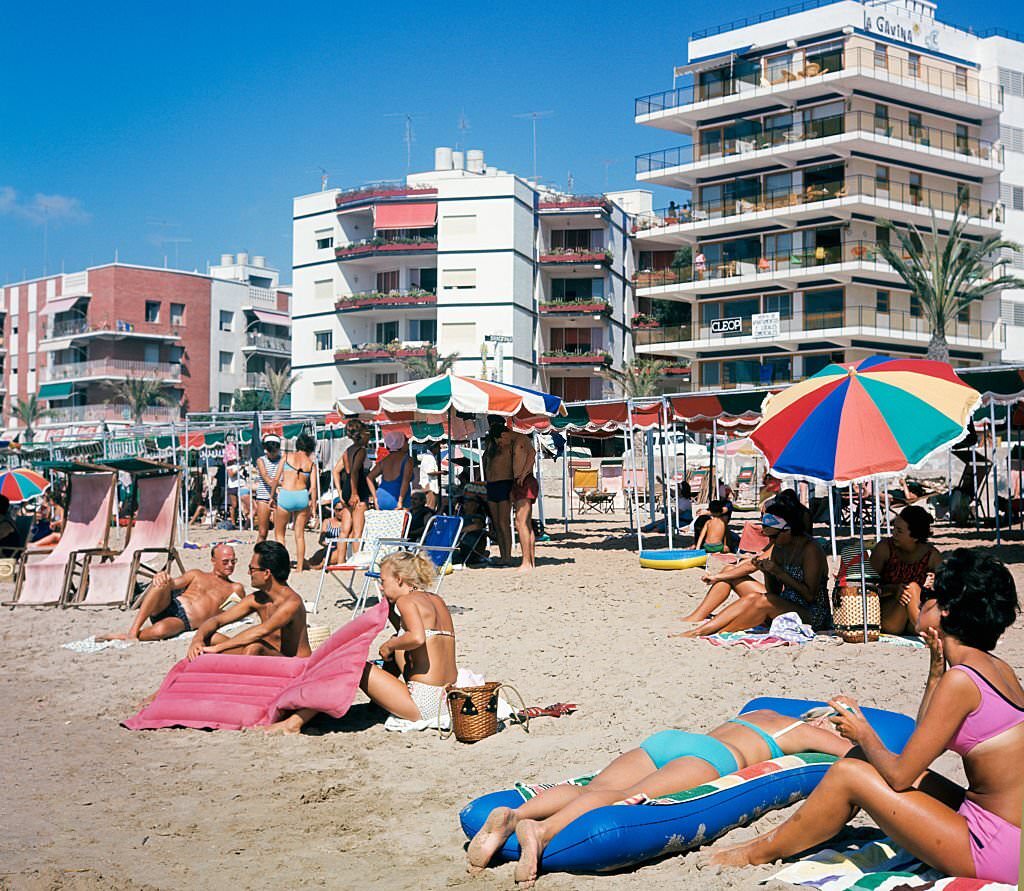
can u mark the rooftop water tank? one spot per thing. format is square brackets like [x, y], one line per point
[259, 261]
[475, 161]
[458, 161]
[442, 158]
[227, 259]
[242, 259]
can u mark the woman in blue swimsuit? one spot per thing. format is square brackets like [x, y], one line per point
[390, 477]
[668, 762]
[299, 488]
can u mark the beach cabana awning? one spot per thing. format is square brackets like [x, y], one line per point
[421, 215]
[722, 407]
[999, 385]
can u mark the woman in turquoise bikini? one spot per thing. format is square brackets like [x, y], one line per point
[299, 482]
[670, 761]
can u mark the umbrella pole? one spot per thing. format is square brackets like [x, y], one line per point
[451, 466]
[949, 482]
[878, 508]
[565, 484]
[713, 491]
[863, 583]
[625, 487]
[664, 480]
[888, 528]
[1020, 475]
[995, 472]
[1009, 470]
[540, 480]
[832, 523]
[634, 489]
[975, 494]
[851, 510]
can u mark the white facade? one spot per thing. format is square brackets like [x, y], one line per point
[524, 285]
[805, 130]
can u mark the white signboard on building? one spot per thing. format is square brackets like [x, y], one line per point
[765, 324]
[726, 326]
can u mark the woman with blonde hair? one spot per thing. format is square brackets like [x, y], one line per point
[419, 661]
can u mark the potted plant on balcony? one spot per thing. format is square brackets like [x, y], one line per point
[642, 320]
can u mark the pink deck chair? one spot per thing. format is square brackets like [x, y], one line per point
[150, 548]
[44, 577]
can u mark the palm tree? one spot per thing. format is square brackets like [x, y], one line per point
[279, 384]
[139, 393]
[30, 411]
[250, 400]
[641, 377]
[946, 273]
[431, 364]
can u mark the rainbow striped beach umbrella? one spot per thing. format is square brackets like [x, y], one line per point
[854, 421]
[436, 395]
[21, 484]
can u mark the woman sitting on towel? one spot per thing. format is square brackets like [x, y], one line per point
[973, 705]
[668, 762]
[795, 577]
[419, 661]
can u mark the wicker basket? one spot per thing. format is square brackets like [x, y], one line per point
[474, 711]
[848, 612]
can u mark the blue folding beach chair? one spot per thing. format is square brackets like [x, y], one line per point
[438, 541]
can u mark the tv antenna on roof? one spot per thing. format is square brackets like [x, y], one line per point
[463, 126]
[323, 177]
[534, 117]
[409, 138]
[608, 162]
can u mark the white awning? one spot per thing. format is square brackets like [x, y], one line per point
[59, 304]
[269, 317]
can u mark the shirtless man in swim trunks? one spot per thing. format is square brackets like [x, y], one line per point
[282, 627]
[181, 604]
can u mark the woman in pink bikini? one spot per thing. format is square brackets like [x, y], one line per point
[973, 705]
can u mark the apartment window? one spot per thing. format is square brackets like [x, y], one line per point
[175, 355]
[224, 401]
[152, 310]
[324, 239]
[387, 281]
[710, 374]
[914, 126]
[962, 140]
[386, 332]
[881, 235]
[964, 315]
[1012, 138]
[1012, 81]
[1014, 258]
[425, 279]
[914, 64]
[915, 307]
[882, 179]
[460, 337]
[423, 329]
[323, 289]
[226, 362]
[915, 188]
[384, 380]
[1012, 196]
[151, 353]
[459, 279]
[882, 119]
[961, 77]
[963, 194]
[227, 320]
[459, 225]
[881, 301]
[780, 303]
[1012, 313]
[881, 55]
[571, 389]
[574, 239]
[814, 364]
[324, 340]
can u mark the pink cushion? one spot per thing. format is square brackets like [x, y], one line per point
[220, 692]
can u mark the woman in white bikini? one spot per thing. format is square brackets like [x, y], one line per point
[419, 661]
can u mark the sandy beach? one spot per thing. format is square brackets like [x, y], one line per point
[88, 804]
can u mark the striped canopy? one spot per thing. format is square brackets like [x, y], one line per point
[854, 421]
[435, 395]
[21, 484]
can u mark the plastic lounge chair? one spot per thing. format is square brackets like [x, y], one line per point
[109, 578]
[45, 577]
[439, 540]
[378, 524]
[591, 498]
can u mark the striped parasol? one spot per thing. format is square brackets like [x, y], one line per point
[21, 484]
[854, 421]
[436, 395]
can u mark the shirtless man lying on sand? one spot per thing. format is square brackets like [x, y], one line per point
[176, 605]
[282, 627]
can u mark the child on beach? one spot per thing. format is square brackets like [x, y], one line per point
[712, 537]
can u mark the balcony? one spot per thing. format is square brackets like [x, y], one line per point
[118, 329]
[804, 76]
[266, 343]
[859, 192]
[263, 296]
[77, 414]
[570, 358]
[753, 143]
[853, 321]
[111, 369]
[565, 308]
[573, 202]
[377, 247]
[382, 352]
[414, 297]
[575, 257]
[380, 191]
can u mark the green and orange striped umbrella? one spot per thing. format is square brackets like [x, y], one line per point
[853, 421]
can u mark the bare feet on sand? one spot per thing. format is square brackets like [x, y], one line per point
[290, 726]
[692, 631]
[729, 855]
[106, 637]
[492, 835]
[530, 846]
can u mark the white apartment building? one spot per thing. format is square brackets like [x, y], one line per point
[525, 285]
[804, 129]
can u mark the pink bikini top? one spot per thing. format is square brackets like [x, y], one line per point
[994, 715]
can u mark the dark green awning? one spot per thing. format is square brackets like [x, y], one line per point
[57, 390]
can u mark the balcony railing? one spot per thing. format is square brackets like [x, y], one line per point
[268, 342]
[378, 190]
[580, 356]
[930, 78]
[384, 246]
[76, 414]
[859, 185]
[75, 327]
[588, 307]
[756, 138]
[567, 202]
[898, 323]
[264, 296]
[385, 299]
[382, 351]
[576, 255]
[111, 368]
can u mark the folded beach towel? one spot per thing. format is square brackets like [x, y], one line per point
[902, 640]
[877, 865]
[786, 630]
[89, 645]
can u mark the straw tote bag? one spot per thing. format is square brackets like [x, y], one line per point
[474, 711]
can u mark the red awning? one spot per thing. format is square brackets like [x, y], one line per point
[422, 215]
[272, 318]
[59, 304]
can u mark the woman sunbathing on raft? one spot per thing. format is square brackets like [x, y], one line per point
[668, 762]
[419, 662]
[975, 708]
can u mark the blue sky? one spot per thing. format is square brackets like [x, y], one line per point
[188, 127]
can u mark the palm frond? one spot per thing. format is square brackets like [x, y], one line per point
[636, 379]
[279, 384]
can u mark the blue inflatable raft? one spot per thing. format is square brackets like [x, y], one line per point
[611, 838]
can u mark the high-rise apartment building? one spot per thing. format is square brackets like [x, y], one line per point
[805, 128]
[70, 338]
[525, 285]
